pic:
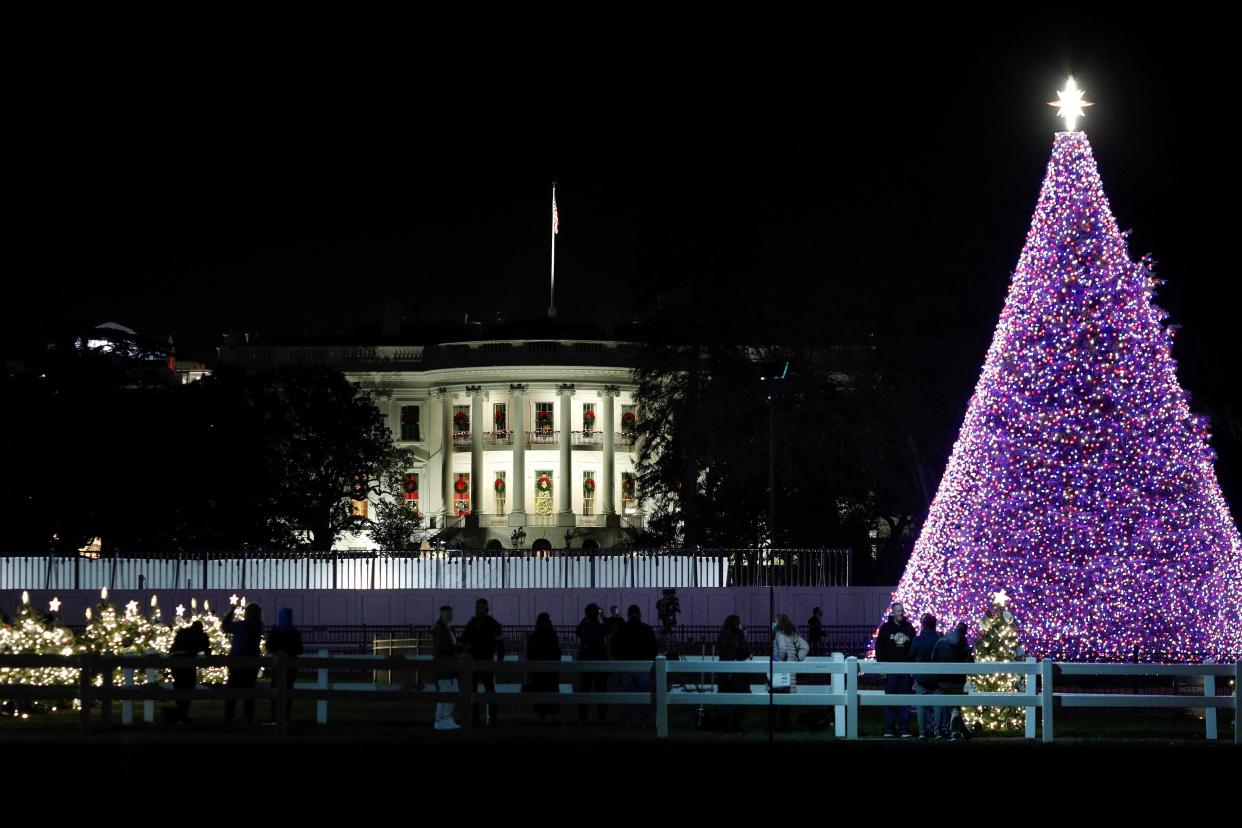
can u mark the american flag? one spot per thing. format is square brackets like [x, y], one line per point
[556, 222]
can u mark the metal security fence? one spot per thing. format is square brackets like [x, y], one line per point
[441, 569]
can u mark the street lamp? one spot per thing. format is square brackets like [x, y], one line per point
[772, 373]
[518, 538]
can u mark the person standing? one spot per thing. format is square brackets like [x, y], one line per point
[543, 645]
[592, 646]
[247, 635]
[731, 645]
[484, 640]
[285, 638]
[787, 646]
[815, 631]
[926, 718]
[635, 641]
[444, 647]
[953, 649]
[894, 643]
[189, 641]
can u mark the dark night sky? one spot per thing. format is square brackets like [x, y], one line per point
[816, 169]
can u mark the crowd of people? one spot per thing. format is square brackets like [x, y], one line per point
[897, 641]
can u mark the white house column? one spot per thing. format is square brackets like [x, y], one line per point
[609, 399]
[476, 452]
[517, 422]
[565, 512]
[446, 452]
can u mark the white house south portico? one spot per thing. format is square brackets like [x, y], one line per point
[531, 434]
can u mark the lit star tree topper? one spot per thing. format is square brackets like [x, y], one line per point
[1070, 104]
[1081, 482]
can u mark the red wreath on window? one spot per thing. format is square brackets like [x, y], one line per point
[460, 486]
[589, 485]
[628, 486]
[461, 418]
[545, 483]
[411, 484]
[588, 419]
[629, 420]
[500, 485]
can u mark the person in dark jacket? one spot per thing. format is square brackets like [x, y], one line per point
[285, 638]
[444, 646]
[952, 649]
[893, 643]
[926, 717]
[592, 646]
[815, 631]
[543, 645]
[247, 636]
[484, 640]
[189, 641]
[614, 621]
[635, 641]
[731, 645]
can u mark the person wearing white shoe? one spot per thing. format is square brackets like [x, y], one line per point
[444, 646]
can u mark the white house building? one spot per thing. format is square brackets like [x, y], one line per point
[535, 435]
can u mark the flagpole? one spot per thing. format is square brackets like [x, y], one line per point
[552, 296]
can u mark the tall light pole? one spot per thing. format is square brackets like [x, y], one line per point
[772, 373]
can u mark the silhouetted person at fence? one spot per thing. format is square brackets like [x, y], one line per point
[444, 646]
[952, 649]
[614, 621]
[247, 634]
[921, 649]
[189, 641]
[543, 645]
[635, 641]
[893, 643]
[731, 645]
[285, 638]
[592, 646]
[787, 646]
[815, 631]
[484, 639]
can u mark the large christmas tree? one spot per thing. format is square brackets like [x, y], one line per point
[1081, 482]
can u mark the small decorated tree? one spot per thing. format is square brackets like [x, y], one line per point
[997, 642]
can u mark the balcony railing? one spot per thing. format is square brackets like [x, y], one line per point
[634, 520]
[626, 438]
[543, 438]
[587, 438]
[493, 521]
[461, 439]
[591, 521]
[498, 438]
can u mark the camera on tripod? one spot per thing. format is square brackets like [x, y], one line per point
[667, 608]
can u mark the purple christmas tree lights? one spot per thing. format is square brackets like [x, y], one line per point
[1080, 482]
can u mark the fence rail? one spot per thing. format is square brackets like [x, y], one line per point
[842, 692]
[443, 569]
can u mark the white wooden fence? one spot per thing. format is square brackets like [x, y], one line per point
[842, 693]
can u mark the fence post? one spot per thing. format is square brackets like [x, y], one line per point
[84, 690]
[1209, 713]
[206, 567]
[1046, 702]
[1237, 710]
[1029, 689]
[105, 706]
[321, 706]
[661, 696]
[851, 697]
[837, 683]
[127, 706]
[148, 705]
[465, 686]
[282, 693]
